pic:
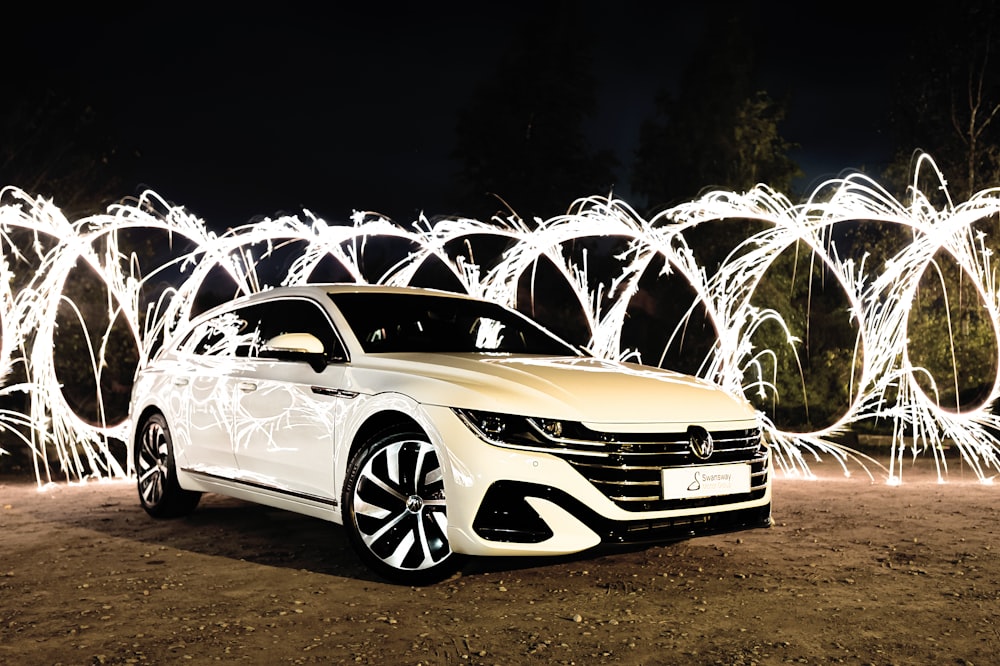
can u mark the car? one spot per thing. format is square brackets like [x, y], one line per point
[435, 426]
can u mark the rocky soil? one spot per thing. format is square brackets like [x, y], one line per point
[854, 572]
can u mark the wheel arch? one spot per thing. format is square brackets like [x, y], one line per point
[379, 422]
[137, 422]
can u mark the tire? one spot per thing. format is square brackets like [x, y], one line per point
[156, 472]
[395, 511]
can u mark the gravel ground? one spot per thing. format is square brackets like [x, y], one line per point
[853, 572]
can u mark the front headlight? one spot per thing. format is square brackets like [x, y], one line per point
[502, 428]
[529, 432]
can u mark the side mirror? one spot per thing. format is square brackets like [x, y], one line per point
[305, 343]
[296, 347]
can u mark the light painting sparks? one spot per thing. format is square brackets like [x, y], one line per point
[148, 293]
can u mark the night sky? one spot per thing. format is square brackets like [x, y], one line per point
[248, 112]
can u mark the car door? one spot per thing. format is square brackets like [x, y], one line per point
[202, 396]
[285, 409]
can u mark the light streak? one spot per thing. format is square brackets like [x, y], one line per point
[151, 295]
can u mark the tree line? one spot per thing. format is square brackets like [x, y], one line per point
[521, 140]
[522, 136]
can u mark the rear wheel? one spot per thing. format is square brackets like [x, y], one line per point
[156, 471]
[395, 511]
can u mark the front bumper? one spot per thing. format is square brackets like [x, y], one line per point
[510, 513]
[511, 502]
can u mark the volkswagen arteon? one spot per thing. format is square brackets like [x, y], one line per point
[435, 426]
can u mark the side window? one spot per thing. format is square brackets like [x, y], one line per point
[296, 315]
[242, 332]
[229, 334]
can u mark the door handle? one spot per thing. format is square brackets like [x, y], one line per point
[247, 387]
[180, 381]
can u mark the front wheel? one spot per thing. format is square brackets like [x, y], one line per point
[395, 511]
[159, 492]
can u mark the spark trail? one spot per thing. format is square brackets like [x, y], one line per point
[149, 292]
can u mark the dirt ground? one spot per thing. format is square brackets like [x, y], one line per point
[853, 572]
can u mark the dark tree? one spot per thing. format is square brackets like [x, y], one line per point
[946, 99]
[719, 130]
[521, 141]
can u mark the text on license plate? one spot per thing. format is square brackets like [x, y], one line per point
[706, 480]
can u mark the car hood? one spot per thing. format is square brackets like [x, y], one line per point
[590, 390]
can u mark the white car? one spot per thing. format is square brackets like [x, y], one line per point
[434, 426]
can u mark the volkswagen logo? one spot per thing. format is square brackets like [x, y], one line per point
[700, 442]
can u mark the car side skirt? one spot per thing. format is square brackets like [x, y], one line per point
[252, 491]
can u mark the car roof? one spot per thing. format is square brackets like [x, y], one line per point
[318, 290]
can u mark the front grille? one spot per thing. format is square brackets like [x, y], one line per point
[627, 468]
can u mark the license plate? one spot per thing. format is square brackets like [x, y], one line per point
[705, 481]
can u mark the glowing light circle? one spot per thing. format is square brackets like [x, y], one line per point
[40, 248]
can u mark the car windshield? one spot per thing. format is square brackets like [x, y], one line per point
[395, 322]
